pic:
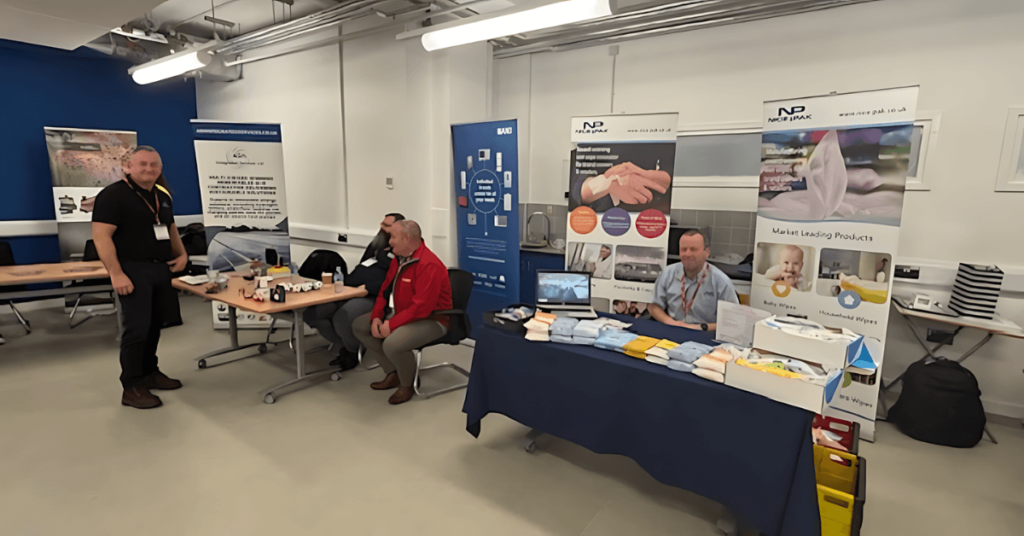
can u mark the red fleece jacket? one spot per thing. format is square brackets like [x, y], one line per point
[420, 286]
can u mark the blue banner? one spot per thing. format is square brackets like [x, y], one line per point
[486, 163]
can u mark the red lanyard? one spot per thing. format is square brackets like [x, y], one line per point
[688, 304]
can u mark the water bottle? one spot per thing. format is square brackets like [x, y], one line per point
[339, 280]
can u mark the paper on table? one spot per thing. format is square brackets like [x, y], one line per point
[194, 279]
[736, 323]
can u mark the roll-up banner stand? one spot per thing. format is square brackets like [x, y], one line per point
[833, 172]
[245, 210]
[620, 199]
[486, 165]
[83, 162]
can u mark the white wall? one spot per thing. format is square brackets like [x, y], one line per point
[962, 53]
[303, 93]
[400, 103]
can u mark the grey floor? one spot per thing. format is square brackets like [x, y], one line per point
[337, 459]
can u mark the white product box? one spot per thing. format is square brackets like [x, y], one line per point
[829, 354]
[790, 391]
[246, 320]
[855, 396]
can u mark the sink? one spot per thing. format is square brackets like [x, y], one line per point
[534, 245]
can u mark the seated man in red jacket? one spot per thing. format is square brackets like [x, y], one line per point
[402, 318]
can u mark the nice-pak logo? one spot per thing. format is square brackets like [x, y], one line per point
[793, 113]
[592, 127]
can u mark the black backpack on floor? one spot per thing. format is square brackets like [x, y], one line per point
[941, 404]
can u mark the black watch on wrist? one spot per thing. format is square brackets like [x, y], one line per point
[704, 327]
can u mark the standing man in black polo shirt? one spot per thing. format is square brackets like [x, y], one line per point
[134, 232]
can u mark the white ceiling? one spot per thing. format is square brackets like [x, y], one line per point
[66, 24]
[187, 15]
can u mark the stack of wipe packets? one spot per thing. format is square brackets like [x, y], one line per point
[561, 329]
[711, 366]
[586, 332]
[614, 340]
[658, 354]
[638, 347]
[538, 326]
[682, 357]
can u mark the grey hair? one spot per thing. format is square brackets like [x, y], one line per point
[702, 233]
[410, 227]
[147, 148]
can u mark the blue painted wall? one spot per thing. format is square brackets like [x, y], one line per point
[41, 86]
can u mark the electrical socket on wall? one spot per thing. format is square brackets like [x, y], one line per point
[551, 209]
[390, 183]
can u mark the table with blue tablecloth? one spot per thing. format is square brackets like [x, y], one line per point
[749, 453]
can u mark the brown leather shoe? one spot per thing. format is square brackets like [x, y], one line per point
[402, 395]
[389, 382]
[159, 380]
[140, 397]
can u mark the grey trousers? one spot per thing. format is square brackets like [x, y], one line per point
[395, 352]
[334, 320]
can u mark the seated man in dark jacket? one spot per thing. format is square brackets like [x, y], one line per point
[334, 320]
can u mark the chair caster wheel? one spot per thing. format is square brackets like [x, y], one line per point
[263, 348]
[335, 376]
[269, 399]
[202, 363]
[531, 448]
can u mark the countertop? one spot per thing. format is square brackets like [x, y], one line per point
[547, 250]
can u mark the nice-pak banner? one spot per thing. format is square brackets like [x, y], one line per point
[830, 202]
[620, 197]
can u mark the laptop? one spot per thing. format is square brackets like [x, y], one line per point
[565, 293]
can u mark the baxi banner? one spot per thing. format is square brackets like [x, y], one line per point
[486, 165]
[833, 172]
[241, 180]
[620, 197]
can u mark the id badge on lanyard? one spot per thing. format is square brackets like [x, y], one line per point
[161, 232]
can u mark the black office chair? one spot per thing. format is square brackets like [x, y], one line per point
[7, 259]
[107, 298]
[459, 329]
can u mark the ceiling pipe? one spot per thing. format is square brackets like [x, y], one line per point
[571, 38]
[291, 30]
[363, 33]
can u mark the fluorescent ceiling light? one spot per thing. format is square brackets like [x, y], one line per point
[170, 66]
[556, 14]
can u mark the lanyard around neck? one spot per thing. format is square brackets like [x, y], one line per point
[156, 198]
[688, 303]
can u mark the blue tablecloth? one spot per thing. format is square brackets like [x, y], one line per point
[747, 452]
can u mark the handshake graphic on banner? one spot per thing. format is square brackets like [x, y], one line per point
[626, 183]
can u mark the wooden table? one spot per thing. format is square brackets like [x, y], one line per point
[295, 303]
[27, 274]
[996, 326]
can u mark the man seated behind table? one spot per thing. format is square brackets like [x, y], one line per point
[402, 318]
[687, 294]
[334, 320]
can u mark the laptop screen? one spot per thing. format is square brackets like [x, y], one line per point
[563, 288]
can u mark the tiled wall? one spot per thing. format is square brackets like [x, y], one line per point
[731, 231]
[557, 216]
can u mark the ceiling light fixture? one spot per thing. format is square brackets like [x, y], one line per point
[171, 66]
[556, 14]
